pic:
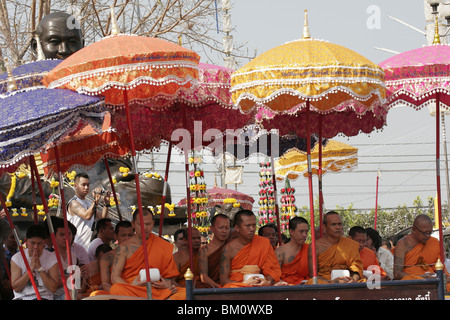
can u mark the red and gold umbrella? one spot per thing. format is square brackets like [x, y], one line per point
[124, 69]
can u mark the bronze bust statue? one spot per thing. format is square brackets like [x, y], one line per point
[60, 35]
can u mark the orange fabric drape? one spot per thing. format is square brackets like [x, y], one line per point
[296, 271]
[422, 259]
[159, 256]
[258, 253]
[369, 258]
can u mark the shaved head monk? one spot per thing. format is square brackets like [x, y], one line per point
[129, 260]
[209, 255]
[415, 254]
[335, 252]
[183, 261]
[248, 260]
[293, 256]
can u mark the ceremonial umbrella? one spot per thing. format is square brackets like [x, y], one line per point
[296, 86]
[217, 195]
[419, 78]
[33, 117]
[131, 71]
[29, 74]
[336, 156]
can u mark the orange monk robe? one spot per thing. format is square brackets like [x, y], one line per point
[180, 278]
[296, 271]
[369, 258]
[422, 259]
[343, 255]
[256, 257]
[159, 256]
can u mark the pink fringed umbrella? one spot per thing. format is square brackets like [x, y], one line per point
[198, 118]
[419, 78]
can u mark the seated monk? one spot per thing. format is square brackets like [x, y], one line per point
[416, 254]
[247, 254]
[123, 231]
[293, 256]
[209, 255]
[129, 260]
[335, 252]
[368, 256]
[182, 258]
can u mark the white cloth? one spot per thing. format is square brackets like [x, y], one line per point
[48, 260]
[386, 259]
[59, 293]
[92, 247]
[84, 227]
[81, 253]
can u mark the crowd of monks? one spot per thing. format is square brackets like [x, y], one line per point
[236, 256]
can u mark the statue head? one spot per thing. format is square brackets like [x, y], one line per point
[60, 35]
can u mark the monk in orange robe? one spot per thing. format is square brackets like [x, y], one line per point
[183, 261]
[248, 254]
[129, 260]
[416, 254]
[335, 252]
[209, 254]
[368, 256]
[293, 256]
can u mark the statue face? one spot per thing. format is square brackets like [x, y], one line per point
[58, 40]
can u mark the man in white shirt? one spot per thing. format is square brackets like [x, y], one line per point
[82, 212]
[105, 234]
[43, 265]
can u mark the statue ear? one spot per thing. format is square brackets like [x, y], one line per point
[33, 45]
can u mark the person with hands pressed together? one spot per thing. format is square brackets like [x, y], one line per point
[82, 212]
[42, 263]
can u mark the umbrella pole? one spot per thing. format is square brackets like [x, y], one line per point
[64, 209]
[63, 205]
[438, 177]
[138, 194]
[275, 190]
[33, 190]
[22, 252]
[188, 194]
[311, 199]
[376, 205]
[108, 170]
[34, 171]
[320, 177]
[163, 201]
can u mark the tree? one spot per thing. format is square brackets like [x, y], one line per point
[191, 22]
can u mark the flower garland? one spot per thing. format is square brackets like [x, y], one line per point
[199, 202]
[10, 195]
[267, 207]
[53, 199]
[233, 201]
[71, 177]
[288, 208]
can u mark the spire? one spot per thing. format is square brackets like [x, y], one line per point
[437, 38]
[114, 27]
[306, 34]
[39, 51]
[11, 82]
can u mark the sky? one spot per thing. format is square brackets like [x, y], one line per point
[403, 151]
